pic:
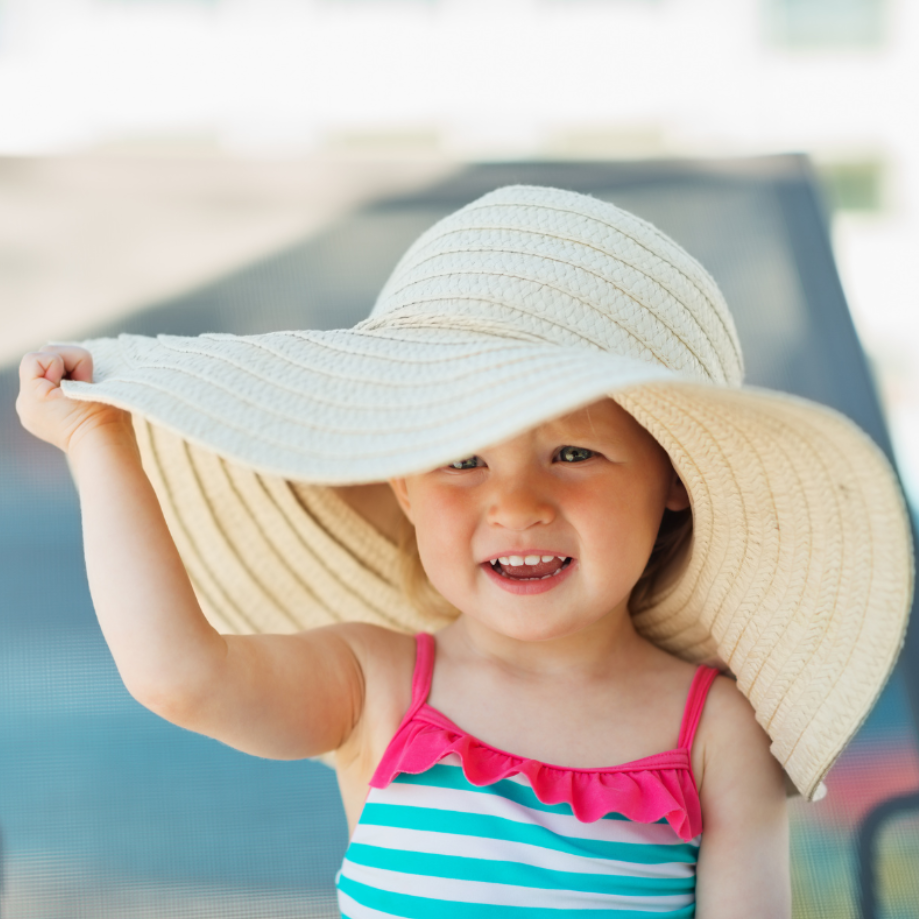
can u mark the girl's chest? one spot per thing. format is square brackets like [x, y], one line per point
[579, 730]
[568, 731]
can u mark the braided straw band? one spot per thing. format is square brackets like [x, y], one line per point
[799, 574]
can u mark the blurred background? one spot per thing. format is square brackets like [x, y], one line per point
[187, 165]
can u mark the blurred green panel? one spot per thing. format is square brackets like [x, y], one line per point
[825, 23]
[853, 186]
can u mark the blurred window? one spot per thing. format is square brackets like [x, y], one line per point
[825, 23]
[606, 2]
[378, 3]
[164, 3]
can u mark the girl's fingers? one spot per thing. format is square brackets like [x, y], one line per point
[41, 371]
[78, 362]
[42, 407]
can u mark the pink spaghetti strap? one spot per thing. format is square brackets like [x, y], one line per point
[424, 670]
[695, 702]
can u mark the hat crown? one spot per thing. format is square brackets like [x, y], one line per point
[543, 264]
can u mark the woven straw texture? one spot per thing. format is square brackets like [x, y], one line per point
[799, 574]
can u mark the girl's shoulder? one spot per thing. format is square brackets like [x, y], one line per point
[731, 750]
[727, 712]
[385, 658]
[384, 662]
[375, 641]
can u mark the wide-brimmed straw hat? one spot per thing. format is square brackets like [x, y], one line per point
[524, 305]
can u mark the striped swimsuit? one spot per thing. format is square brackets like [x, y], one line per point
[453, 828]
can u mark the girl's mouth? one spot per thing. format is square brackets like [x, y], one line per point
[530, 567]
[513, 575]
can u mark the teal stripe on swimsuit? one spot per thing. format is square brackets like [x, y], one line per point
[491, 827]
[409, 906]
[514, 873]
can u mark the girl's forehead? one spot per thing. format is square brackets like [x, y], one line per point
[602, 416]
[604, 419]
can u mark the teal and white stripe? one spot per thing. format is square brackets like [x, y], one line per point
[431, 845]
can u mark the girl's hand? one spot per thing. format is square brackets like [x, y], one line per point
[47, 413]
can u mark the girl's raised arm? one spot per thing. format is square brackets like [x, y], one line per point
[271, 695]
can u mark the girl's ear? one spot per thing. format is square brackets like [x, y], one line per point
[400, 490]
[677, 496]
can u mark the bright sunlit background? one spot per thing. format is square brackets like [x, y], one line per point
[148, 147]
[239, 90]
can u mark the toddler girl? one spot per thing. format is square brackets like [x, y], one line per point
[581, 490]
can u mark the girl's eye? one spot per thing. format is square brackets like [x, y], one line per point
[471, 462]
[574, 454]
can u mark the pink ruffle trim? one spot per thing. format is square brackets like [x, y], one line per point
[644, 790]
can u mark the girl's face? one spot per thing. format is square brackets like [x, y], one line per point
[577, 500]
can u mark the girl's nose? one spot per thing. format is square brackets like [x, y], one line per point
[520, 506]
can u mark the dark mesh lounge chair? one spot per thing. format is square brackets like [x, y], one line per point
[106, 811]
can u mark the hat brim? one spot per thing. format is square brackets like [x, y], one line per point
[346, 407]
[799, 576]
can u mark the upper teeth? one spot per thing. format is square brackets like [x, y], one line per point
[516, 560]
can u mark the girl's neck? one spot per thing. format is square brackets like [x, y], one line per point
[610, 644]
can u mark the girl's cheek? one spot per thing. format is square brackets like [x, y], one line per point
[443, 574]
[440, 547]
